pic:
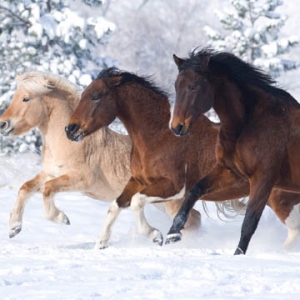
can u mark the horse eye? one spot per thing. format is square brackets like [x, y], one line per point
[26, 99]
[96, 97]
[192, 87]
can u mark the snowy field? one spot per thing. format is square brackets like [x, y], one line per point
[50, 261]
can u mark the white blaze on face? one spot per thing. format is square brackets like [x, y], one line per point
[171, 117]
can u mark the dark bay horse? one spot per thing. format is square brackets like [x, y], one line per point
[259, 138]
[163, 166]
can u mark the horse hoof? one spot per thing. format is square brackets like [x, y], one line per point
[14, 231]
[239, 251]
[67, 221]
[62, 219]
[173, 238]
[159, 239]
[100, 246]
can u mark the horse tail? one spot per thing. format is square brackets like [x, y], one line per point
[229, 208]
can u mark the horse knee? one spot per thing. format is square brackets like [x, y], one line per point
[113, 208]
[137, 202]
[47, 190]
[28, 188]
[23, 191]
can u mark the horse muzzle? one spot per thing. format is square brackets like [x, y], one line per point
[6, 128]
[179, 130]
[74, 133]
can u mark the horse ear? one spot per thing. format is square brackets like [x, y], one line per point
[178, 60]
[114, 81]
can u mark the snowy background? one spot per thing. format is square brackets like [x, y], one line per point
[50, 261]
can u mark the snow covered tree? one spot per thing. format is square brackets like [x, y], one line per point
[149, 32]
[253, 29]
[48, 35]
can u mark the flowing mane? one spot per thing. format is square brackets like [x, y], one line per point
[241, 72]
[128, 77]
[42, 83]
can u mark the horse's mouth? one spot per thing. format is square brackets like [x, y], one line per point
[76, 137]
[7, 132]
[74, 132]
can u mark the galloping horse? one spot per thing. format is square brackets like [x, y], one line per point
[259, 138]
[163, 166]
[99, 167]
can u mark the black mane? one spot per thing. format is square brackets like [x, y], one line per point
[128, 77]
[208, 60]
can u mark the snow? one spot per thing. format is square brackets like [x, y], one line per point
[101, 26]
[50, 261]
[85, 79]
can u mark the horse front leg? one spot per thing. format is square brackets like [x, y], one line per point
[123, 201]
[63, 183]
[260, 190]
[161, 190]
[218, 185]
[194, 219]
[26, 190]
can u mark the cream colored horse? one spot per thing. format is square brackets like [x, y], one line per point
[98, 167]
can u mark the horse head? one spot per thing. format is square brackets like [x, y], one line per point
[97, 108]
[194, 94]
[26, 109]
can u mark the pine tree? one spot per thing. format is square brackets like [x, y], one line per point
[253, 29]
[48, 35]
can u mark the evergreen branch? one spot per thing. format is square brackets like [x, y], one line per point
[15, 15]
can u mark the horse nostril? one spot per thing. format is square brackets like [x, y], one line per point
[4, 125]
[179, 130]
[72, 128]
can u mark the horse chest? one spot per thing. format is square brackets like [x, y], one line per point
[54, 168]
[227, 156]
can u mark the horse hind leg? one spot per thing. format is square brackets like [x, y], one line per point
[287, 208]
[293, 225]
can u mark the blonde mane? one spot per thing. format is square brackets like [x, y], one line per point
[42, 83]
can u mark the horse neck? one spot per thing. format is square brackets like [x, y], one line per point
[144, 113]
[59, 108]
[231, 107]
[111, 152]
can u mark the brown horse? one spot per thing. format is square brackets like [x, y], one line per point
[163, 166]
[99, 167]
[259, 139]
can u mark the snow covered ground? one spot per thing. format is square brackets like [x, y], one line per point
[50, 261]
